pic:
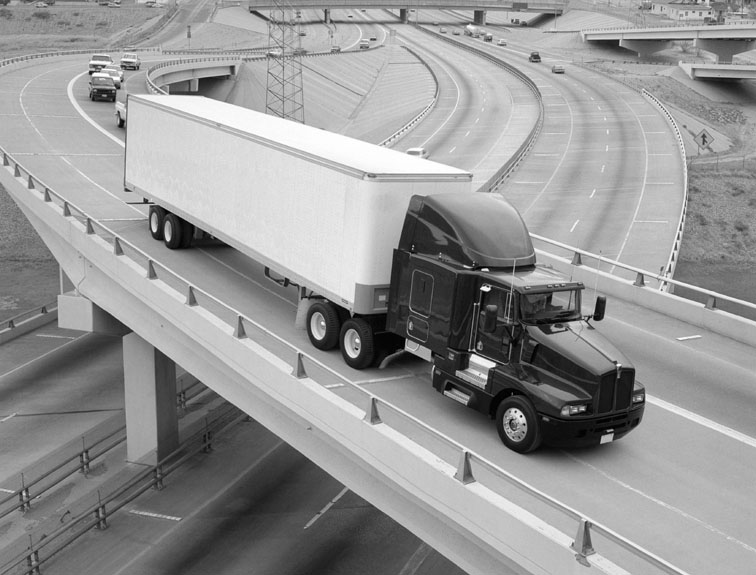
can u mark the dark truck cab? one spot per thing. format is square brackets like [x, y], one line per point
[506, 336]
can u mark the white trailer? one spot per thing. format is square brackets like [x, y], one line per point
[320, 209]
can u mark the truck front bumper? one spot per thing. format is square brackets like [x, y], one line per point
[560, 432]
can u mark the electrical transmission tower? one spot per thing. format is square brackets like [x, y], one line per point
[284, 97]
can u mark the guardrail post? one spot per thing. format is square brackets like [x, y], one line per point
[239, 332]
[102, 518]
[117, 248]
[577, 259]
[181, 399]
[6, 161]
[158, 477]
[30, 184]
[32, 560]
[25, 499]
[16, 171]
[46, 196]
[151, 274]
[84, 460]
[90, 227]
[640, 280]
[191, 299]
[711, 302]
[207, 439]
[11, 324]
[464, 472]
[66, 209]
[371, 415]
[299, 369]
[582, 543]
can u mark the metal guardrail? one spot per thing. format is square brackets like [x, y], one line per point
[471, 467]
[96, 515]
[13, 322]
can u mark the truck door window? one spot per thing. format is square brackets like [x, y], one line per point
[421, 293]
[495, 344]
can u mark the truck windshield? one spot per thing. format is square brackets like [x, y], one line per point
[550, 307]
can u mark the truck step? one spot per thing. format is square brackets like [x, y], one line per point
[477, 371]
[457, 395]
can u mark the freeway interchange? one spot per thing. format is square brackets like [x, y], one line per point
[679, 483]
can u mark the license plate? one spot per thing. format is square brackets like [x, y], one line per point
[607, 438]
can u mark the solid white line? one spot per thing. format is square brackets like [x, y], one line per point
[11, 416]
[155, 515]
[15, 369]
[687, 337]
[572, 229]
[330, 504]
[701, 420]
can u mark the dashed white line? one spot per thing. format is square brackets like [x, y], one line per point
[330, 504]
[155, 515]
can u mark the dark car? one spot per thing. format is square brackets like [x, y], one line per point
[102, 87]
[534, 57]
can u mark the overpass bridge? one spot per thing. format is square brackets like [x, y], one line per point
[724, 41]
[479, 8]
[452, 496]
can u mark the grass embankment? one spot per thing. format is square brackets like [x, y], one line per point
[25, 29]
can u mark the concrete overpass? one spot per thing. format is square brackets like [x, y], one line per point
[479, 8]
[723, 41]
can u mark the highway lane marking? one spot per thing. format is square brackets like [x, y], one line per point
[11, 416]
[155, 515]
[23, 365]
[661, 503]
[330, 504]
[687, 337]
[701, 420]
[572, 229]
[4, 490]
[53, 336]
[127, 567]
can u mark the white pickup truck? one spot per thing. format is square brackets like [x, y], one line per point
[120, 110]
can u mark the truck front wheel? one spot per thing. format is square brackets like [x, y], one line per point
[517, 424]
[155, 219]
[323, 325]
[357, 343]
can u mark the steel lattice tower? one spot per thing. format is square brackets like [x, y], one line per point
[284, 96]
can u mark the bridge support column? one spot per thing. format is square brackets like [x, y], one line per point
[479, 17]
[724, 50]
[79, 313]
[403, 15]
[150, 400]
[645, 47]
[194, 84]
[327, 15]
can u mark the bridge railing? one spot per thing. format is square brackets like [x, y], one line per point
[471, 468]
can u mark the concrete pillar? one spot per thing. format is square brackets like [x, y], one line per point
[327, 15]
[403, 15]
[150, 401]
[479, 17]
[724, 50]
[194, 84]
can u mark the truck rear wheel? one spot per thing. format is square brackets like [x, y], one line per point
[155, 218]
[172, 231]
[517, 424]
[323, 325]
[357, 343]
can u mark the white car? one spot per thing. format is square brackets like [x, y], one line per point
[98, 61]
[130, 60]
[501, 42]
[114, 72]
[418, 152]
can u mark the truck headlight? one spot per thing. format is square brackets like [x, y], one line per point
[569, 410]
[639, 397]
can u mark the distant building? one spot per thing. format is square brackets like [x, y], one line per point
[683, 10]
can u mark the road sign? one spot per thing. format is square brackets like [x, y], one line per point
[704, 139]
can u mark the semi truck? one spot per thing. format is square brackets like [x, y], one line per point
[391, 254]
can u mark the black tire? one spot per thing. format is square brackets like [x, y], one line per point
[155, 221]
[517, 424]
[172, 231]
[187, 234]
[119, 121]
[357, 343]
[323, 325]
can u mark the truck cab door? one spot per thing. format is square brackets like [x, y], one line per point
[496, 343]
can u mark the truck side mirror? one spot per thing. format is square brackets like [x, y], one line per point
[489, 318]
[600, 309]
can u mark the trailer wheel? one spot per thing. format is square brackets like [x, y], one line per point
[323, 325]
[155, 218]
[172, 231]
[517, 424]
[357, 343]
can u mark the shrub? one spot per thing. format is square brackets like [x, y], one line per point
[6, 14]
[41, 15]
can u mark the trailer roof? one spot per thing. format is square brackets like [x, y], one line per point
[299, 139]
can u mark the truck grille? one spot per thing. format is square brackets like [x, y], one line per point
[615, 393]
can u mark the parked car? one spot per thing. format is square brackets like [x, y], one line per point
[534, 57]
[335, 48]
[116, 73]
[130, 60]
[102, 87]
[41, 5]
[418, 152]
[501, 42]
[557, 69]
[98, 61]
